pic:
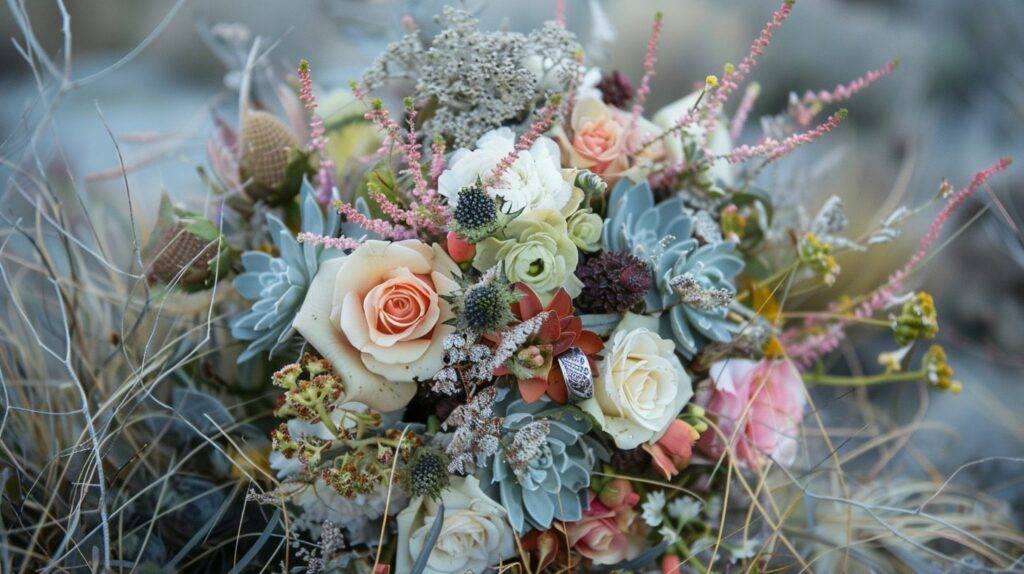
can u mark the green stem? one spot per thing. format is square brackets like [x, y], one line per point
[839, 317]
[325, 417]
[868, 380]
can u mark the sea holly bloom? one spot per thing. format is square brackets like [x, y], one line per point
[561, 330]
[758, 407]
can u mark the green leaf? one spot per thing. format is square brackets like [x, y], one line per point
[428, 545]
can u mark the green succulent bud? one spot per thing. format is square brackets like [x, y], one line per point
[917, 320]
[938, 372]
[591, 184]
[426, 474]
[817, 254]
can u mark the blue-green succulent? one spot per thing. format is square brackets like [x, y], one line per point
[542, 471]
[277, 285]
[693, 283]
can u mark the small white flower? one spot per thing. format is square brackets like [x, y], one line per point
[652, 508]
[684, 509]
[668, 535]
[533, 181]
[743, 551]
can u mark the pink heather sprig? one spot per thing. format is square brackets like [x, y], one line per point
[411, 217]
[808, 106]
[955, 201]
[317, 136]
[809, 349]
[650, 62]
[413, 154]
[734, 75]
[410, 149]
[378, 226]
[526, 141]
[327, 241]
[772, 149]
[437, 159]
[739, 119]
[560, 12]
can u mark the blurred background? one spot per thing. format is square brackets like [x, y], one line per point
[954, 105]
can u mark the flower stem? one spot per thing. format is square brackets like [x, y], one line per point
[838, 316]
[864, 381]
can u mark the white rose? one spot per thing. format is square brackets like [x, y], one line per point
[378, 315]
[721, 143]
[533, 181]
[475, 534]
[641, 385]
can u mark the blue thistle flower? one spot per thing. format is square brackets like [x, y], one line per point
[693, 282]
[543, 469]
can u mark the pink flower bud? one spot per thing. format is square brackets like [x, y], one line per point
[674, 449]
[460, 250]
[618, 493]
[670, 564]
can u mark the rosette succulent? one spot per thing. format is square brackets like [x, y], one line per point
[692, 282]
[277, 285]
[543, 469]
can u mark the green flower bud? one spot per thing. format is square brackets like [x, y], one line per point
[917, 320]
[585, 230]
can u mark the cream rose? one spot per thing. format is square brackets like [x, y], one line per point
[378, 316]
[641, 386]
[533, 181]
[721, 143]
[475, 534]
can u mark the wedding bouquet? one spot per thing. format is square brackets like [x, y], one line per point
[517, 321]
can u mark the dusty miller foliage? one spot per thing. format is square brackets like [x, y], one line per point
[474, 80]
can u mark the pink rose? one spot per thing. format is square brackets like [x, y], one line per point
[608, 534]
[758, 408]
[378, 316]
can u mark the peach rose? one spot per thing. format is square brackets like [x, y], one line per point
[601, 138]
[378, 316]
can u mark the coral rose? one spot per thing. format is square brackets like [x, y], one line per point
[758, 408]
[379, 317]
